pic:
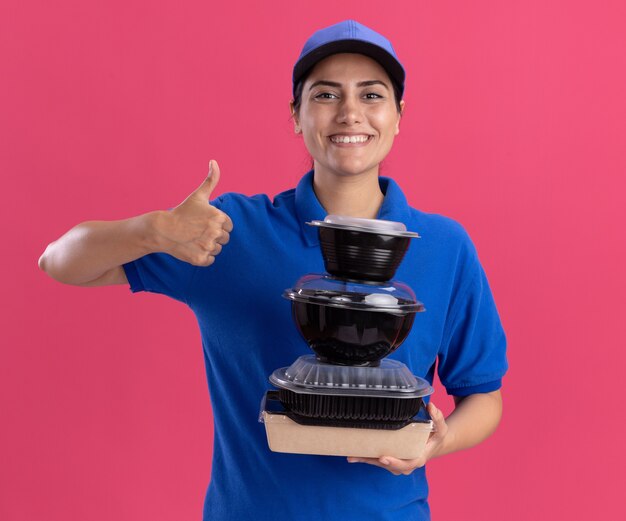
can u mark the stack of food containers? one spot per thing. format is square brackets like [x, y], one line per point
[348, 399]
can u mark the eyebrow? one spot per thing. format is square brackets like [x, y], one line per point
[367, 83]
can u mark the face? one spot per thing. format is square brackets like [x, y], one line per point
[348, 117]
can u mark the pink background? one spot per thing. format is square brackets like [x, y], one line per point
[515, 126]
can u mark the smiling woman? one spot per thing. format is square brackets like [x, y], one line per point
[230, 261]
[347, 116]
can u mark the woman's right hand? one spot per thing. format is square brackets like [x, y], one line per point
[195, 231]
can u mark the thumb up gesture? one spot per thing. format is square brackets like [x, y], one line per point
[195, 231]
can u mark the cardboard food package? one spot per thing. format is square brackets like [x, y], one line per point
[286, 435]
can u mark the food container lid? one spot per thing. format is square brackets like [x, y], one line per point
[392, 379]
[392, 296]
[359, 224]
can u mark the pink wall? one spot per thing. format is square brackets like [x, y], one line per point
[515, 125]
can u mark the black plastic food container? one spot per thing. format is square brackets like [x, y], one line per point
[352, 322]
[363, 249]
[350, 336]
[366, 408]
[312, 389]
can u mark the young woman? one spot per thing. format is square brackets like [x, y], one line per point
[230, 260]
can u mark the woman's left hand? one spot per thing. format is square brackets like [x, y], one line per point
[406, 466]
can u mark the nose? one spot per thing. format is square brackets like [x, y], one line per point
[349, 111]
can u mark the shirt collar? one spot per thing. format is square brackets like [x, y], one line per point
[308, 207]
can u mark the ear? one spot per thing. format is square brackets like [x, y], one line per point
[400, 117]
[294, 116]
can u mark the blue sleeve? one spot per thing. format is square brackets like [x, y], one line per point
[160, 273]
[472, 357]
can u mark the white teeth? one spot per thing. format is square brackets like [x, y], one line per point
[349, 139]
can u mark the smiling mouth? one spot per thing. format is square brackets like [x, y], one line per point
[350, 140]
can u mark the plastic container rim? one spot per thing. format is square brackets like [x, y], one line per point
[403, 309]
[392, 233]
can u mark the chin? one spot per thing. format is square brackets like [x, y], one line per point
[353, 172]
[347, 168]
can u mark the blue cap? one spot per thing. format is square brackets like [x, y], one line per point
[353, 37]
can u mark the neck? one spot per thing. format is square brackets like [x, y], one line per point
[357, 196]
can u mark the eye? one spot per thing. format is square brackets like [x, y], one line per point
[325, 95]
[373, 95]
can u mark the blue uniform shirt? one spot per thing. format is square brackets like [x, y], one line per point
[247, 332]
